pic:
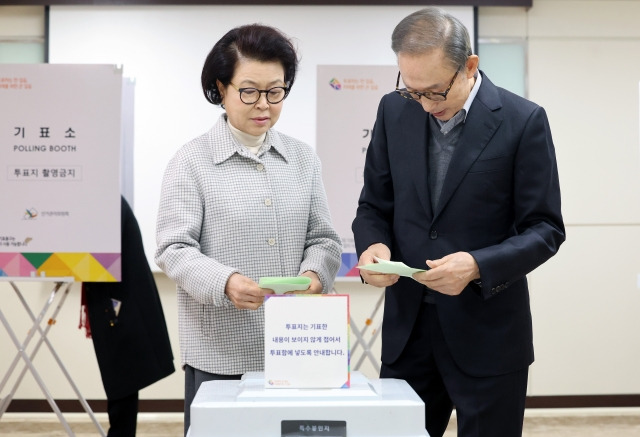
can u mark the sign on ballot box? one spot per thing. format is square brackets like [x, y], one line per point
[306, 341]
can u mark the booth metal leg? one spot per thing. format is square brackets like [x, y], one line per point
[366, 346]
[4, 405]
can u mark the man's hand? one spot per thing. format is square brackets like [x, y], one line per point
[451, 274]
[244, 293]
[376, 279]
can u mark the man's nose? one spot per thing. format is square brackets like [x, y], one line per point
[428, 105]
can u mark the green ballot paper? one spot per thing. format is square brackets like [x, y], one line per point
[284, 284]
[391, 267]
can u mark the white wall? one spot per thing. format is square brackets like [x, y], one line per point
[583, 67]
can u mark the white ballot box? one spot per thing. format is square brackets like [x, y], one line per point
[369, 408]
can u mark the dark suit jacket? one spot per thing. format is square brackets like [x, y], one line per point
[133, 349]
[500, 202]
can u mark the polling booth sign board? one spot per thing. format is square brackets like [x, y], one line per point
[347, 100]
[60, 151]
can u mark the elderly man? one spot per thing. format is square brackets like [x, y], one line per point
[460, 180]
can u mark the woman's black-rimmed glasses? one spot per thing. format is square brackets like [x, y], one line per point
[250, 96]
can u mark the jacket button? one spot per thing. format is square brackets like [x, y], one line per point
[433, 235]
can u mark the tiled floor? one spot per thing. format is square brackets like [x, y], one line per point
[618, 422]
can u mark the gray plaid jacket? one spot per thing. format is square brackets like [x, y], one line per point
[224, 210]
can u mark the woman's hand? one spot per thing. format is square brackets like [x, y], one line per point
[244, 293]
[314, 288]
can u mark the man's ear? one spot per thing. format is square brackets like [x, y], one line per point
[472, 65]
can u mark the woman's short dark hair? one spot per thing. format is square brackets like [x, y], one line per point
[253, 41]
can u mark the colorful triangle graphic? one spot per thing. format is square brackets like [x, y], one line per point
[37, 258]
[84, 267]
[106, 259]
[14, 264]
[348, 266]
[54, 267]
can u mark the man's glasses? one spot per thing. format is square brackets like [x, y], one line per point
[415, 95]
[274, 95]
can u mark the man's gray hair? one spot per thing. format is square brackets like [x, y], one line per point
[432, 28]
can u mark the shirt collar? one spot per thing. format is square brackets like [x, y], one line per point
[225, 144]
[472, 94]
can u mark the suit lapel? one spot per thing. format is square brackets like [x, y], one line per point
[415, 131]
[481, 124]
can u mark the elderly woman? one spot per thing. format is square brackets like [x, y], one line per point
[241, 202]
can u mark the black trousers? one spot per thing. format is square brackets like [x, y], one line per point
[192, 380]
[123, 416]
[485, 406]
